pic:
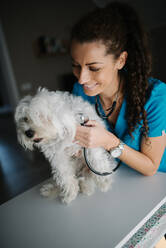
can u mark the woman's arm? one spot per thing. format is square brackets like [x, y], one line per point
[146, 161]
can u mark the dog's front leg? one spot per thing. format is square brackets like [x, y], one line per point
[64, 177]
[49, 190]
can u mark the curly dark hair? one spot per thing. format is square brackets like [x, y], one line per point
[119, 28]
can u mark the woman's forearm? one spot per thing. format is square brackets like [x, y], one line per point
[134, 159]
[138, 161]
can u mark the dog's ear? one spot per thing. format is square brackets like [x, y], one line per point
[69, 125]
[40, 109]
[22, 107]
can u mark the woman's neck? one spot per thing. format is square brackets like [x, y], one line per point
[107, 99]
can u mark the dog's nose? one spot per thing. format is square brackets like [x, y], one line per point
[29, 133]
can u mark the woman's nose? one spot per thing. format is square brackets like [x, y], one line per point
[83, 77]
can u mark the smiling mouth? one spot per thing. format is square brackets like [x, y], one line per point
[37, 140]
[90, 87]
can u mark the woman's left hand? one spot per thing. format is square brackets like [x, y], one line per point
[93, 134]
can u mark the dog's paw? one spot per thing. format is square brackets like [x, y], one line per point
[70, 192]
[87, 187]
[105, 185]
[49, 190]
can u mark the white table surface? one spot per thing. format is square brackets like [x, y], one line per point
[105, 220]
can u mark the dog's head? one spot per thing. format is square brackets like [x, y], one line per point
[42, 118]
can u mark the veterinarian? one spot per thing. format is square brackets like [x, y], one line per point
[112, 62]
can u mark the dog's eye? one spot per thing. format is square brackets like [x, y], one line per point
[25, 119]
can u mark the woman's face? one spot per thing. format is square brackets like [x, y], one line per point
[95, 70]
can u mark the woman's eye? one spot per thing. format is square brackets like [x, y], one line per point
[74, 66]
[94, 69]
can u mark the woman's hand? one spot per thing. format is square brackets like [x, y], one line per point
[94, 135]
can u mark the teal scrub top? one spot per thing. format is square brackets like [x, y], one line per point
[156, 115]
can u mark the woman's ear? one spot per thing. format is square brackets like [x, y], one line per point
[122, 60]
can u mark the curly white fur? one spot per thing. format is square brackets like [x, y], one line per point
[48, 121]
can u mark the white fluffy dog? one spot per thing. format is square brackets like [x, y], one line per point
[48, 121]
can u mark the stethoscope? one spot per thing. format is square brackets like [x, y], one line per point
[83, 120]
